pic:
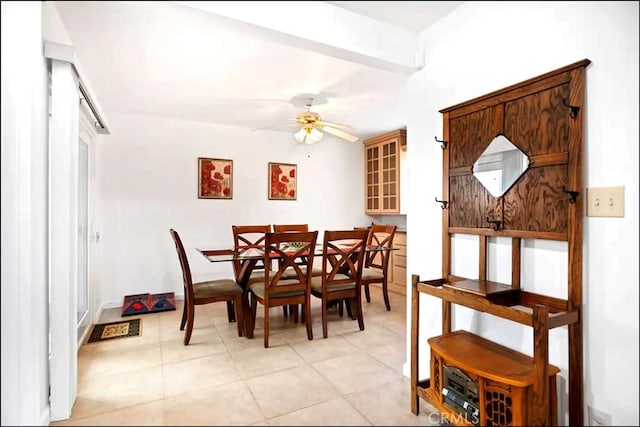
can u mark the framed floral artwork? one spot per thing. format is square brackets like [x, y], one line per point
[215, 178]
[283, 180]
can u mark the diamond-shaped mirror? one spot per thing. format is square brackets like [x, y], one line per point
[500, 166]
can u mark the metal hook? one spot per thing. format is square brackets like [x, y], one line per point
[443, 144]
[572, 194]
[496, 223]
[574, 109]
[443, 202]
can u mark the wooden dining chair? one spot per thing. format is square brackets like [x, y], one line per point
[316, 270]
[248, 237]
[379, 241]
[343, 256]
[204, 292]
[276, 290]
[284, 228]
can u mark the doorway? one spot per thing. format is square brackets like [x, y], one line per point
[84, 315]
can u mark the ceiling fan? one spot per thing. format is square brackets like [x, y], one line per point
[311, 125]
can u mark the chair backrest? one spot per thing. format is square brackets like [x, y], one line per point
[286, 228]
[277, 245]
[249, 236]
[281, 228]
[184, 265]
[343, 257]
[380, 237]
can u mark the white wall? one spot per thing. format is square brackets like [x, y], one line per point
[485, 46]
[24, 217]
[147, 183]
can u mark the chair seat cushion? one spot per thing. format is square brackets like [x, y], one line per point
[316, 284]
[258, 289]
[290, 273]
[256, 276]
[215, 288]
[370, 273]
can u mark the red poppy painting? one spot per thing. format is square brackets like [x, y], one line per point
[215, 178]
[283, 178]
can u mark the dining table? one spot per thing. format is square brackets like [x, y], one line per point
[244, 261]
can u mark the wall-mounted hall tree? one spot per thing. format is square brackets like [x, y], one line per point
[512, 167]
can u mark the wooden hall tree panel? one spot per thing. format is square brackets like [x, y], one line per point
[470, 134]
[543, 118]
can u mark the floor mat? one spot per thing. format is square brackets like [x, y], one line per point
[114, 330]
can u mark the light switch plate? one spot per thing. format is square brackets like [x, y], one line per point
[605, 201]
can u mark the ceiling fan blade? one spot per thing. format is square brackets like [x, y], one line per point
[340, 134]
[336, 125]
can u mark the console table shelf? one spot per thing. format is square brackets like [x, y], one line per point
[517, 306]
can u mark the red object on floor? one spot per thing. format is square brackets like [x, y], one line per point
[136, 304]
[148, 303]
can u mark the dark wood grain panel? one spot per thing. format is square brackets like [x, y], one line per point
[538, 123]
[469, 135]
[542, 160]
[465, 170]
[537, 203]
[534, 83]
[469, 202]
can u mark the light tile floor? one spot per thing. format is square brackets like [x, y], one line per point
[351, 378]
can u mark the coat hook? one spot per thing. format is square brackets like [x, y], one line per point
[443, 144]
[574, 109]
[443, 202]
[496, 223]
[572, 194]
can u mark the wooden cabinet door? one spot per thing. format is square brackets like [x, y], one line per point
[390, 169]
[372, 179]
[382, 173]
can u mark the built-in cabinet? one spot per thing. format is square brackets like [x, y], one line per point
[398, 264]
[382, 162]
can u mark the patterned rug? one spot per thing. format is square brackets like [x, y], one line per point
[114, 330]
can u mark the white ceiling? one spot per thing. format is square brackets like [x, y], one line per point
[173, 61]
[412, 15]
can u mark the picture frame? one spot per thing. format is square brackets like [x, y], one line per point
[215, 178]
[283, 181]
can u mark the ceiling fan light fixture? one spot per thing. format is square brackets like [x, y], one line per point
[308, 135]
